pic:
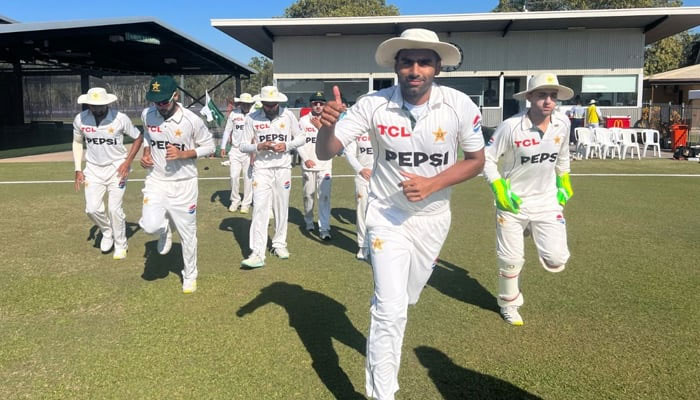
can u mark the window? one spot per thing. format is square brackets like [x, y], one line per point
[607, 90]
[483, 91]
[298, 91]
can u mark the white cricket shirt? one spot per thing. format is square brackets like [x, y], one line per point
[359, 153]
[425, 147]
[283, 128]
[105, 143]
[308, 150]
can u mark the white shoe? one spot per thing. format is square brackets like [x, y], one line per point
[106, 243]
[233, 207]
[310, 226]
[511, 315]
[361, 253]
[245, 210]
[165, 241]
[119, 254]
[325, 235]
[226, 163]
[254, 261]
[281, 252]
[189, 286]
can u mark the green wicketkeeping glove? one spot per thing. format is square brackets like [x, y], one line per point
[506, 200]
[564, 192]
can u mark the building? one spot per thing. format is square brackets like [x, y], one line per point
[598, 53]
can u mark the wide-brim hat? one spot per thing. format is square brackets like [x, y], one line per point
[543, 82]
[97, 97]
[270, 94]
[416, 38]
[592, 101]
[245, 98]
[161, 88]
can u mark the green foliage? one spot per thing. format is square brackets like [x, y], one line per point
[263, 78]
[668, 53]
[339, 8]
[563, 5]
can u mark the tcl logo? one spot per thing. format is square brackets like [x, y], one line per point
[88, 129]
[363, 139]
[310, 129]
[260, 127]
[526, 143]
[154, 129]
[538, 158]
[393, 131]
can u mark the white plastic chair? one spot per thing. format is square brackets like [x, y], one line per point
[587, 145]
[629, 142]
[650, 138]
[605, 138]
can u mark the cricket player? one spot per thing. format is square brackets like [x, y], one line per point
[107, 165]
[360, 155]
[416, 129]
[239, 161]
[175, 137]
[274, 132]
[530, 187]
[316, 175]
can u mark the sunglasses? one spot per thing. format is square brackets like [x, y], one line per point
[166, 102]
[317, 103]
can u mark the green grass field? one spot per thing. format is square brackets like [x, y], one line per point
[619, 323]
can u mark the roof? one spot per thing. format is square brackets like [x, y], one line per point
[689, 74]
[134, 46]
[656, 23]
[5, 20]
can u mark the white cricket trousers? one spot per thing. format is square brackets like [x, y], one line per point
[240, 162]
[361, 196]
[403, 249]
[271, 188]
[318, 183]
[177, 199]
[548, 230]
[98, 180]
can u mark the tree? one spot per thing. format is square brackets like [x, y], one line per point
[666, 54]
[339, 8]
[263, 78]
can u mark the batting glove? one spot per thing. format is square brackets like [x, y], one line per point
[564, 191]
[506, 200]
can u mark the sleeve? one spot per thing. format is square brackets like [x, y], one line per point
[563, 163]
[249, 142]
[227, 130]
[355, 122]
[203, 139]
[146, 134]
[77, 133]
[298, 137]
[470, 136]
[350, 155]
[494, 150]
[129, 128]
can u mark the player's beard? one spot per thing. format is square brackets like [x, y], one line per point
[168, 112]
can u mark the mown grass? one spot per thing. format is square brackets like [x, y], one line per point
[620, 322]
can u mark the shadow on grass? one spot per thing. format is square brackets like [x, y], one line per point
[455, 282]
[344, 215]
[159, 266]
[318, 319]
[223, 196]
[95, 234]
[240, 227]
[456, 383]
[339, 235]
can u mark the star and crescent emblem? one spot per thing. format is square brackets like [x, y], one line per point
[377, 244]
[178, 133]
[439, 135]
[155, 87]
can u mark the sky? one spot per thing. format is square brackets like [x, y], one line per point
[193, 18]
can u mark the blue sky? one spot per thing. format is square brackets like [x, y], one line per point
[193, 17]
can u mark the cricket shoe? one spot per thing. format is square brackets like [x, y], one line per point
[233, 207]
[362, 253]
[189, 285]
[165, 241]
[511, 315]
[254, 261]
[106, 243]
[281, 252]
[119, 254]
[325, 235]
[245, 210]
[310, 226]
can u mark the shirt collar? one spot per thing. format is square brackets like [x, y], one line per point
[526, 124]
[177, 115]
[434, 101]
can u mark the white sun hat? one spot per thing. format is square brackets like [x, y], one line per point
[270, 94]
[97, 97]
[416, 38]
[245, 98]
[545, 81]
[592, 101]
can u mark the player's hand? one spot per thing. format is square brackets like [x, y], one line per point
[79, 179]
[564, 190]
[333, 109]
[366, 173]
[265, 146]
[146, 159]
[316, 122]
[223, 153]
[309, 163]
[279, 147]
[172, 152]
[506, 200]
[416, 187]
[124, 169]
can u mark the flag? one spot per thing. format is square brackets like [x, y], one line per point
[211, 111]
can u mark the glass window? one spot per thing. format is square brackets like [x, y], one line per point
[483, 91]
[298, 91]
[607, 90]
